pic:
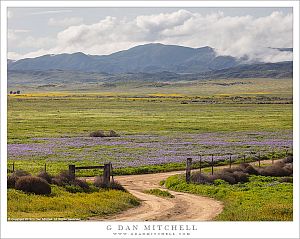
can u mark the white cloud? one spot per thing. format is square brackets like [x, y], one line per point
[237, 36]
[14, 55]
[50, 12]
[65, 22]
[14, 34]
[40, 42]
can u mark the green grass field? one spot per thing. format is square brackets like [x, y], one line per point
[138, 109]
[260, 199]
[64, 204]
[30, 117]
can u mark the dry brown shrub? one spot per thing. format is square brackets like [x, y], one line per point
[32, 184]
[45, 176]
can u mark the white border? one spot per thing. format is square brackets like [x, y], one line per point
[98, 229]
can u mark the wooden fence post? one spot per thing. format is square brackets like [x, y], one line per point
[111, 172]
[230, 161]
[212, 164]
[188, 170]
[106, 173]
[200, 163]
[258, 159]
[13, 167]
[45, 168]
[273, 157]
[72, 170]
[244, 158]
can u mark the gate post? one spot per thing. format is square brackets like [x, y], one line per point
[188, 170]
[72, 171]
[106, 173]
[212, 164]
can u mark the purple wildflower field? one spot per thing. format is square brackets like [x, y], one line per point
[138, 150]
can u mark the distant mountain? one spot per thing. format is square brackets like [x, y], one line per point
[149, 58]
[52, 79]
[263, 70]
[284, 49]
[9, 62]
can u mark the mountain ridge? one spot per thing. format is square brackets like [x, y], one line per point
[150, 58]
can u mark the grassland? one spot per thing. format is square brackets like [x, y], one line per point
[260, 199]
[30, 117]
[204, 88]
[64, 204]
[141, 109]
[42, 120]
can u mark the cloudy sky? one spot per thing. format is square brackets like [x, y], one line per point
[238, 32]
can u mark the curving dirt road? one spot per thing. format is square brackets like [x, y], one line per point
[183, 207]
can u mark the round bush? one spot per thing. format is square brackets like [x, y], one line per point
[275, 171]
[20, 173]
[45, 176]
[11, 181]
[240, 176]
[80, 183]
[98, 133]
[32, 184]
[251, 170]
[228, 170]
[201, 178]
[113, 133]
[289, 168]
[64, 178]
[228, 177]
[288, 159]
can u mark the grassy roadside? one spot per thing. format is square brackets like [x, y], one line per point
[63, 204]
[260, 199]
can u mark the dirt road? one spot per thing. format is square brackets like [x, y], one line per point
[183, 207]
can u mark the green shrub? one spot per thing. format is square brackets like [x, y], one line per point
[162, 182]
[74, 189]
[220, 182]
[286, 180]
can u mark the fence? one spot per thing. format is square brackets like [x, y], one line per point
[211, 163]
[107, 171]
